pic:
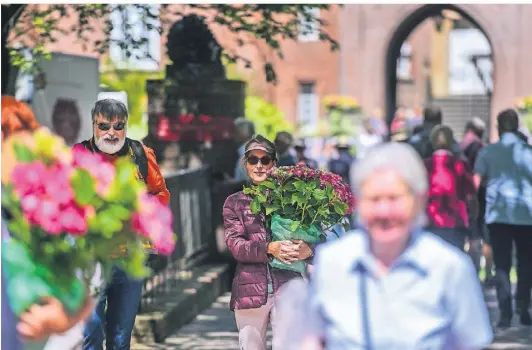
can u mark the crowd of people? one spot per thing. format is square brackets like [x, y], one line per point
[401, 278]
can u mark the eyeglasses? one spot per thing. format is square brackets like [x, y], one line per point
[254, 160]
[107, 126]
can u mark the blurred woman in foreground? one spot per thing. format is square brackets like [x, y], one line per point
[390, 284]
[48, 317]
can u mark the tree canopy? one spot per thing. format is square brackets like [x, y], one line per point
[271, 23]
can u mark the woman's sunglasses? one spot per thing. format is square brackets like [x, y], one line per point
[107, 126]
[254, 160]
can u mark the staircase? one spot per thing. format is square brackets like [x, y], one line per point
[458, 110]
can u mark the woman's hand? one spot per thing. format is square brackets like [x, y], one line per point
[304, 250]
[286, 251]
[41, 321]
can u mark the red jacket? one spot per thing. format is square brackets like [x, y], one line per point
[247, 239]
[450, 189]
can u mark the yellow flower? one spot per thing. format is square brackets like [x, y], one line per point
[51, 146]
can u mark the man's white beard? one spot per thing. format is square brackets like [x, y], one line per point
[107, 147]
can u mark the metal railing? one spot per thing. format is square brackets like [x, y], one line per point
[190, 202]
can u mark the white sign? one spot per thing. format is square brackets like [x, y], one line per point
[117, 95]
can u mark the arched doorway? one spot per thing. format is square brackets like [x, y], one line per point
[395, 50]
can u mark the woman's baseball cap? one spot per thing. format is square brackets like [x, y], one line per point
[259, 142]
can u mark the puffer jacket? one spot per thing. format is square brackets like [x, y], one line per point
[247, 239]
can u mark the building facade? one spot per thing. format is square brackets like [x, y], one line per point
[375, 65]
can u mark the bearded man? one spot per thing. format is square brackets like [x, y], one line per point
[122, 294]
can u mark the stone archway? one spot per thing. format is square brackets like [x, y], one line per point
[401, 33]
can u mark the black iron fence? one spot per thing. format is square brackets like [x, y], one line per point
[190, 201]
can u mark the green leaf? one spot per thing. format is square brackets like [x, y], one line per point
[262, 198]
[300, 185]
[324, 211]
[23, 153]
[255, 205]
[108, 224]
[247, 190]
[319, 195]
[268, 184]
[340, 208]
[83, 186]
[298, 198]
[294, 226]
[271, 209]
[119, 212]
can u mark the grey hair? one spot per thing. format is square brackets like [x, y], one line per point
[479, 123]
[401, 158]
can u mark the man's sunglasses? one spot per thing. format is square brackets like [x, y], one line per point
[107, 126]
[254, 160]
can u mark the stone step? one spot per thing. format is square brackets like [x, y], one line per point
[184, 298]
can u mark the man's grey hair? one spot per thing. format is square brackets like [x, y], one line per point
[405, 161]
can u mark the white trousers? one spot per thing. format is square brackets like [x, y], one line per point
[253, 324]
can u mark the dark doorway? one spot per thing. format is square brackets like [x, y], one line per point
[394, 52]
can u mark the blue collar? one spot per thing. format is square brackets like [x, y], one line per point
[509, 138]
[410, 258]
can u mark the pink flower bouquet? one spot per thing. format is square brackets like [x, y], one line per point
[70, 210]
[301, 203]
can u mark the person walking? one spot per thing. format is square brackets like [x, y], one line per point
[255, 285]
[452, 193]
[506, 168]
[283, 143]
[390, 284]
[300, 148]
[471, 145]
[432, 116]
[114, 315]
[342, 164]
[244, 131]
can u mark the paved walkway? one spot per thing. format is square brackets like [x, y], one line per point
[215, 329]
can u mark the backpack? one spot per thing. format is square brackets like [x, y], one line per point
[139, 156]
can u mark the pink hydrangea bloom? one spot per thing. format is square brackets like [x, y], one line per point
[73, 220]
[47, 216]
[154, 221]
[102, 171]
[27, 178]
[57, 183]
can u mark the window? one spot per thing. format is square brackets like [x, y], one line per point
[139, 27]
[308, 106]
[464, 77]
[404, 63]
[309, 28]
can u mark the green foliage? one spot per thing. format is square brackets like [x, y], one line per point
[269, 23]
[83, 186]
[308, 203]
[268, 119]
[341, 124]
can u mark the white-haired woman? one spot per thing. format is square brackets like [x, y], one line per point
[390, 284]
